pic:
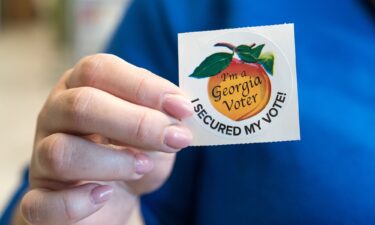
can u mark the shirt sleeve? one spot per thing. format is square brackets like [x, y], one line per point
[7, 215]
[147, 35]
[144, 38]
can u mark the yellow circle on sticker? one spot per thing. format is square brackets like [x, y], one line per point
[240, 91]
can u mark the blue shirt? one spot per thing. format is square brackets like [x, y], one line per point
[326, 178]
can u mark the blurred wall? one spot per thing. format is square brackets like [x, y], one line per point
[17, 10]
[94, 22]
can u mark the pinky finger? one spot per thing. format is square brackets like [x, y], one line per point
[42, 206]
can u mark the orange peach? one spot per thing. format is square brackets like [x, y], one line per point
[240, 91]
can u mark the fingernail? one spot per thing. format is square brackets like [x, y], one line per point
[101, 194]
[177, 106]
[177, 137]
[143, 164]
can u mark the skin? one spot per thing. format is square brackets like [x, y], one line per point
[108, 133]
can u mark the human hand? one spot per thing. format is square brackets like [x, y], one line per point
[107, 133]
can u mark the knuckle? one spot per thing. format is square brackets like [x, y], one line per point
[47, 110]
[54, 154]
[141, 126]
[88, 69]
[148, 128]
[41, 117]
[149, 80]
[31, 209]
[140, 93]
[77, 103]
[68, 209]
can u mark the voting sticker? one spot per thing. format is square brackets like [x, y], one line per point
[242, 83]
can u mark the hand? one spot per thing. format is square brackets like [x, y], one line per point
[107, 133]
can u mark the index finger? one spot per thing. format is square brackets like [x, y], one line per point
[124, 80]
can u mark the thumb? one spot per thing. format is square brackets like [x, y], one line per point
[42, 206]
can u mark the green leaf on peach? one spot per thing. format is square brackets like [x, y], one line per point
[249, 54]
[212, 65]
[267, 61]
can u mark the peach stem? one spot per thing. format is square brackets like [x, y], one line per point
[227, 45]
[252, 45]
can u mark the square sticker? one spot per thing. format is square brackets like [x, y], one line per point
[242, 83]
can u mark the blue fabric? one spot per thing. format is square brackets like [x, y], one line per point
[326, 178]
[6, 217]
[329, 176]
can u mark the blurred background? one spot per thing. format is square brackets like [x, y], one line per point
[39, 40]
